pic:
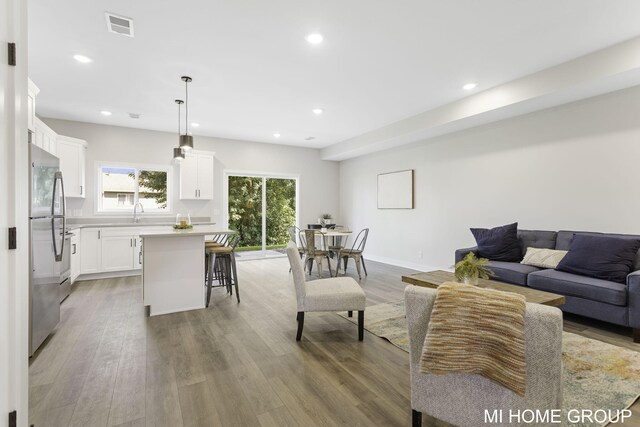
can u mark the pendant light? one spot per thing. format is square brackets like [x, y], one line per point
[178, 153]
[186, 140]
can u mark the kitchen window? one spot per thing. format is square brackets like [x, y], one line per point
[121, 186]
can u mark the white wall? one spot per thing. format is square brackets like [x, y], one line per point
[318, 179]
[573, 167]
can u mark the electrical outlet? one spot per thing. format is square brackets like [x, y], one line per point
[419, 254]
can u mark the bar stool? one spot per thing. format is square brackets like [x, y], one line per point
[221, 264]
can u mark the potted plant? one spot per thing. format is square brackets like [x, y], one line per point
[326, 218]
[471, 268]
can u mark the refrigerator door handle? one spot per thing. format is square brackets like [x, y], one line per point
[58, 255]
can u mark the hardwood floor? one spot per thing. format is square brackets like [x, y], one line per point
[107, 364]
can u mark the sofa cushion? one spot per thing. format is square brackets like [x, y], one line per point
[575, 285]
[599, 256]
[511, 272]
[563, 242]
[536, 239]
[543, 257]
[498, 244]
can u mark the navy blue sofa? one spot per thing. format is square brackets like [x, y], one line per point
[617, 303]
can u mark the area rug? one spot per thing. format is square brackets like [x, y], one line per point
[596, 375]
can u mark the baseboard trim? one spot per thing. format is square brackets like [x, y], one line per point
[108, 275]
[403, 263]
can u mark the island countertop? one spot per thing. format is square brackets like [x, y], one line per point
[197, 230]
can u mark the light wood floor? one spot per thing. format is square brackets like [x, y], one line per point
[107, 364]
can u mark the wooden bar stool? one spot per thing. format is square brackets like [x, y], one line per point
[225, 271]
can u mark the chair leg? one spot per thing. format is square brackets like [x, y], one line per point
[357, 260]
[345, 260]
[319, 264]
[360, 325]
[636, 335]
[212, 263]
[363, 265]
[300, 325]
[350, 313]
[235, 274]
[416, 418]
[329, 265]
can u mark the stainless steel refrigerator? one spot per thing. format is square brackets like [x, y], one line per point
[47, 228]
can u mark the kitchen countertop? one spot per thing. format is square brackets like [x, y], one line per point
[198, 230]
[130, 224]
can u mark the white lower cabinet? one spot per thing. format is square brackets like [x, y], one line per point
[91, 254]
[75, 256]
[110, 249]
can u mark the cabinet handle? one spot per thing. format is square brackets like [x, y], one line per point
[196, 193]
[81, 190]
[74, 249]
[140, 257]
[135, 242]
[98, 234]
[131, 242]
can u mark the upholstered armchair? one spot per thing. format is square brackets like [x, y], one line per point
[335, 294]
[462, 399]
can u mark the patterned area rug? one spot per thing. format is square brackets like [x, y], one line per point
[596, 375]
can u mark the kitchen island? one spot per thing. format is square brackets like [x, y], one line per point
[173, 268]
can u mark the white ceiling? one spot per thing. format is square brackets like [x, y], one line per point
[254, 73]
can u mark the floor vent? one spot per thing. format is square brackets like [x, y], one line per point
[119, 24]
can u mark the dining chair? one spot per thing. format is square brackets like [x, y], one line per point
[338, 242]
[355, 252]
[334, 294]
[314, 254]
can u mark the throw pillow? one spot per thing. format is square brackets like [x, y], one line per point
[602, 257]
[498, 244]
[543, 258]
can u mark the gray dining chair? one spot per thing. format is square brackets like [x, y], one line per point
[356, 252]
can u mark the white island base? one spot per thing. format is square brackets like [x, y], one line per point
[173, 269]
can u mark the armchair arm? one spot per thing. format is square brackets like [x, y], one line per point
[633, 289]
[461, 253]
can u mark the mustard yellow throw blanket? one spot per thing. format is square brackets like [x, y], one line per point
[477, 331]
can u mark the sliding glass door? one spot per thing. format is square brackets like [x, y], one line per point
[261, 209]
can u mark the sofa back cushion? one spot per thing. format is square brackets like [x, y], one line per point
[565, 237]
[603, 257]
[536, 239]
[499, 243]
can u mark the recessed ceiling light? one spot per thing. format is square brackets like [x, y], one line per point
[105, 113]
[315, 38]
[82, 58]
[469, 86]
[276, 135]
[195, 125]
[317, 111]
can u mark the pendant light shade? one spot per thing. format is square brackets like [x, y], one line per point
[178, 154]
[186, 142]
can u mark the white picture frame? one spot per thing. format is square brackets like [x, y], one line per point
[395, 190]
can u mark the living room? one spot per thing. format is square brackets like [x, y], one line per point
[525, 116]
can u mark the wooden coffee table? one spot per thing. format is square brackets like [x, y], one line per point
[433, 279]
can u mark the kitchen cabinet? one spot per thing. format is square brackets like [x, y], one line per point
[32, 93]
[72, 154]
[75, 256]
[196, 175]
[44, 136]
[91, 253]
[110, 249]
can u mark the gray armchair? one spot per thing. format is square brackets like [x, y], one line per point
[461, 399]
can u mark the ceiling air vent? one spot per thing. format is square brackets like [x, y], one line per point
[119, 24]
[310, 138]
[134, 115]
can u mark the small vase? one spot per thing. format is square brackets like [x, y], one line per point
[470, 280]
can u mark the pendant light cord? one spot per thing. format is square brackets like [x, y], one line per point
[178, 118]
[186, 107]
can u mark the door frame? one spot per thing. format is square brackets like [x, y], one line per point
[14, 184]
[226, 173]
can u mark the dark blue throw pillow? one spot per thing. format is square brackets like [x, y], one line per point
[498, 244]
[602, 257]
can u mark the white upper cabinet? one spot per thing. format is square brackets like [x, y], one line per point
[72, 153]
[44, 137]
[31, 106]
[196, 175]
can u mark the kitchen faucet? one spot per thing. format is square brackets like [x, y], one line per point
[136, 218]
